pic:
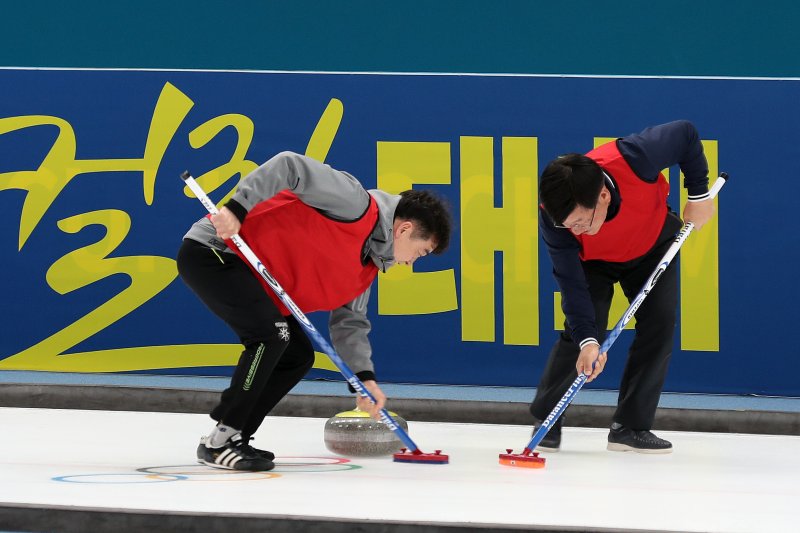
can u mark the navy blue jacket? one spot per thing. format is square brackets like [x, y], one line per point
[648, 152]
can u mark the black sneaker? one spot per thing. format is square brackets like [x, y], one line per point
[236, 454]
[269, 456]
[624, 439]
[552, 441]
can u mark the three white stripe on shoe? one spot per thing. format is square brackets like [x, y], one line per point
[228, 458]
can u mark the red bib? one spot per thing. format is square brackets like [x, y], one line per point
[641, 214]
[317, 260]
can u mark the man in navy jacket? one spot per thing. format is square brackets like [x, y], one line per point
[605, 220]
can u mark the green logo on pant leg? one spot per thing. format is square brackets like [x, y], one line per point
[253, 367]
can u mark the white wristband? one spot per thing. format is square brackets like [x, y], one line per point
[590, 340]
[699, 197]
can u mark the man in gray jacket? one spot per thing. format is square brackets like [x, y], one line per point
[324, 238]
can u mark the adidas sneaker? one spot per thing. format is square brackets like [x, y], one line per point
[236, 454]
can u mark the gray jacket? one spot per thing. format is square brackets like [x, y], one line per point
[338, 195]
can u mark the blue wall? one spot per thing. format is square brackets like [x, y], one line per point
[87, 255]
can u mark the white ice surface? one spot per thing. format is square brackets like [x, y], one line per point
[712, 482]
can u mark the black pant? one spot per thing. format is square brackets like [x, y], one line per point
[277, 353]
[649, 355]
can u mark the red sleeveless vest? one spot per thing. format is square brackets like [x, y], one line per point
[317, 260]
[641, 214]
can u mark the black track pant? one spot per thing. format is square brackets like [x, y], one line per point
[277, 353]
[649, 355]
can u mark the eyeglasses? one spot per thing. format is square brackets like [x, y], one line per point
[579, 227]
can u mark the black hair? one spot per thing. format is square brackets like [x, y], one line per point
[569, 181]
[430, 215]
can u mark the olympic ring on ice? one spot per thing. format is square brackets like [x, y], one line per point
[313, 464]
[134, 478]
[205, 473]
[197, 472]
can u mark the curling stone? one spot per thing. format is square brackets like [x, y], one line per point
[355, 434]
